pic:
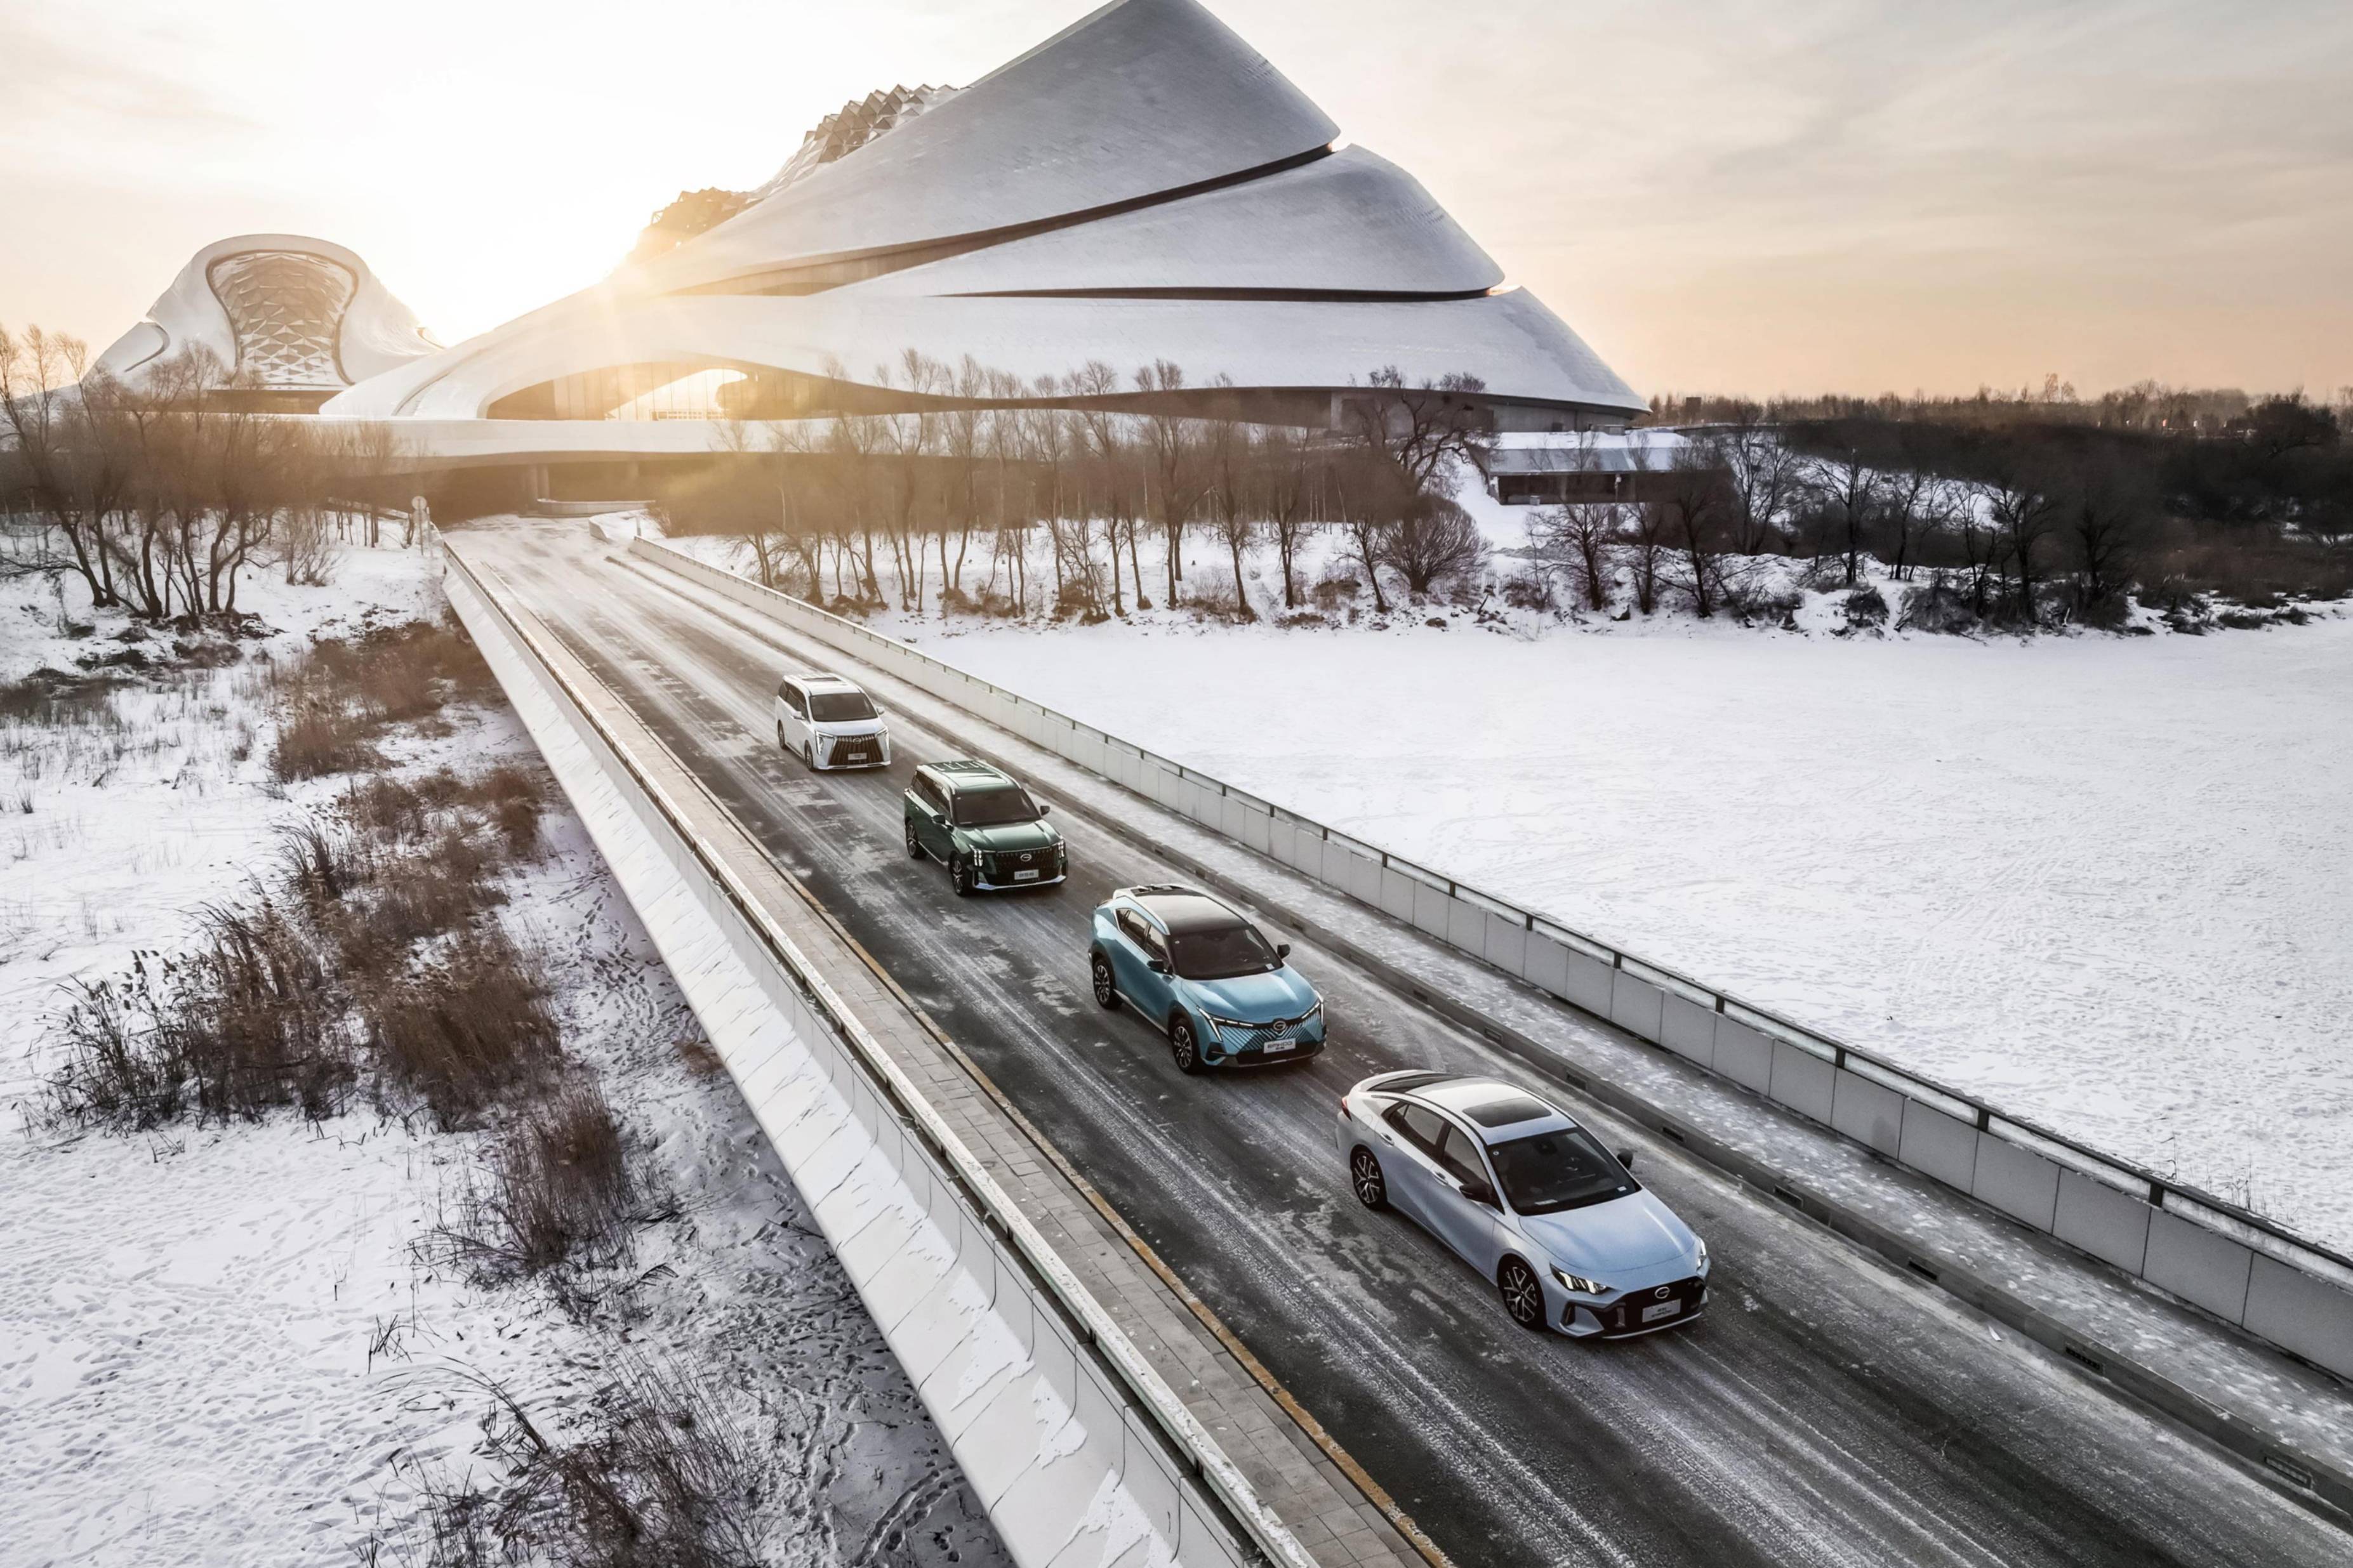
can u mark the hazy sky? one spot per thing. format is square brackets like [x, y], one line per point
[1762, 197]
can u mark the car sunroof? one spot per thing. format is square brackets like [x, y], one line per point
[1505, 1111]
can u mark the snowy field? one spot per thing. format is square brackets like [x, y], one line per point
[220, 1344]
[2104, 882]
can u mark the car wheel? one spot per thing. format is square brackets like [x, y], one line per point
[1106, 989]
[915, 845]
[1182, 1046]
[1364, 1176]
[782, 744]
[960, 875]
[1522, 1293]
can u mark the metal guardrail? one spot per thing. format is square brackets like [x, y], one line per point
[1196, 1449]
[2219, 1214]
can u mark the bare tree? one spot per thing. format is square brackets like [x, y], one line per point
[1227, 454]
[1846, 492]
[1649, 527]
[1434, 541]
[1407, 443]
[1281, 462]
[1576, 537]
[1173, 442]
[2109, 508]
[57, 467]
[2025, 512]
[1765, 478]
[1697, 509]
[1101, 429]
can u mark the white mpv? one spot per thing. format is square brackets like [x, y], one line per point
[828, 723]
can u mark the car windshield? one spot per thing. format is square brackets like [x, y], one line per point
[1553, 1171]
[1220, 952]
[834, 707]
[994, 807]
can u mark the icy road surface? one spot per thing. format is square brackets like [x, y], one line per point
[1827, 1412]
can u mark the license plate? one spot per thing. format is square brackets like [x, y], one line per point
[1276, 1047]
[1663, 1310]
[1025, 876]
[847, 758]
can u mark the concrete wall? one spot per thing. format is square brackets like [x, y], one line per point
[2268, 1283]
[1080, 1454]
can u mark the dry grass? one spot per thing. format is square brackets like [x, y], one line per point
[470, 1030]
[658, 1480]
[242, 1024]
[343, 693]
[558, 1191]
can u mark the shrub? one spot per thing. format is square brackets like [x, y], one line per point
[659, 1479]
[467, 1031]
[511, 796]
[242, 1024]
[1938, 607]
[319, 738]
[320, 865]
[559, 1191]
[1866, 607]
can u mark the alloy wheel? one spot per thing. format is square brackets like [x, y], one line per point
[1522, 1293]
[1364, 1176]
[915, 845]
[1181, 1047]
[1106, 991]
[960, 875]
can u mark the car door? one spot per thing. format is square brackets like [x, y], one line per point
[1411, 1168]
[1464, 1223]
[932, 825]
[795, 716]
[1132, 961]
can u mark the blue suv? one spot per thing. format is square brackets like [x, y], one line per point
[1203, 974]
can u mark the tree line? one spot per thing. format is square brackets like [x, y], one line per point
[2000, 513]
[947, 488]
[161, 498]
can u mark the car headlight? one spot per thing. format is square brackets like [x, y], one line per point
[1702, 1265]
[1579, 1283]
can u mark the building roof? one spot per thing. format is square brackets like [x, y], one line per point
[281, 312]
[1142, 187]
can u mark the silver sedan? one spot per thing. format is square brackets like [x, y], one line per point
[1527, 1197]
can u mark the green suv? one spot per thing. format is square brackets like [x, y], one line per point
[976, 821]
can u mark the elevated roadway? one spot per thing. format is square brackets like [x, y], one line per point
[1830, 1409]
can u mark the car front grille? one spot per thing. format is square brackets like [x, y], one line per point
[1624, 1316]
[1255, 1037]
[855, 751]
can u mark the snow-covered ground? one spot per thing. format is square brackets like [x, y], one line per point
[218, 1344]
[2105, 881]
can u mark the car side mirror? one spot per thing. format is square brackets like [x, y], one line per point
[1157, 965]
[1282, 949]
[1626, 1158]
[1479, 1191]
[1044, 809]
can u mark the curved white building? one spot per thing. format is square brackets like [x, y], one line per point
[1143, 186]
[289, 320]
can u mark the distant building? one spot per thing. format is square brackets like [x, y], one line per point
[1594, 467]
[286, 322]
[1141, 187]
